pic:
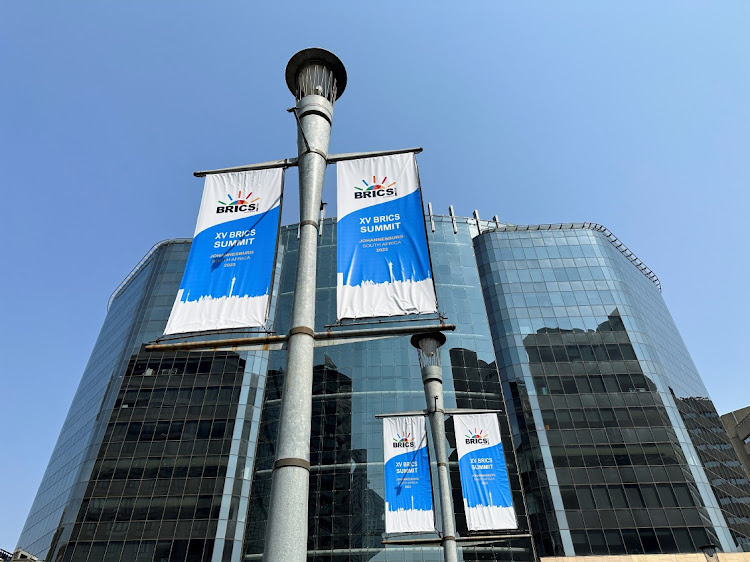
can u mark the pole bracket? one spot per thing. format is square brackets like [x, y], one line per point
[302, 330]
[299, 127]
[299, 463]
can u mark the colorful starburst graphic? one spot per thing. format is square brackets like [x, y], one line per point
[475, 435]
[407, 438]
[374, 186]
[240, 200]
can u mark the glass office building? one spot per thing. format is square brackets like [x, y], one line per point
[607, 428]
[621, 450]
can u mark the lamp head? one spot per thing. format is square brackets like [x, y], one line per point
[316, 71]
[428, 345]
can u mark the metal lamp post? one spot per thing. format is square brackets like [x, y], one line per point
[317, 78]
[428, 348]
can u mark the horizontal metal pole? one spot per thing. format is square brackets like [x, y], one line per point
[385, 331]
[333, 337]
[211, 344]
[290, 162]
[356, 155]
[285, 163]
[402, 414]
[347, 552]
[476, 538]
[388, 320]
[447, 411]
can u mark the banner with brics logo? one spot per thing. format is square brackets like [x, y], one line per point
[408, 490]
[383, 265]
[484, 476]
[227, 279]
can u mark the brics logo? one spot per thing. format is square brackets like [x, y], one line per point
[375, 189]
[239, 205]
[477, 438]
[407, 441]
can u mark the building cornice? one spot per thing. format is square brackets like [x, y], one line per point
[485, 227]
[616, 242]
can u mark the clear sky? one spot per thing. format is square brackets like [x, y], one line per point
[635, 115]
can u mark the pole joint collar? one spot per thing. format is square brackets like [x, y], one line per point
[312, 110]
[299, 463]
[302, 330]
[432, 379]
[448, 538]
[309, 222]
[316, 151]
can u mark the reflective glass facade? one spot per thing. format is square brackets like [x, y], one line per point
[168, 456]
[133, 318]
[355, 382]
[619, 447]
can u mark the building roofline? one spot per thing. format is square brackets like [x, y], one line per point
[143, 261]
[490, 227]
[733, 415]
[616, 242]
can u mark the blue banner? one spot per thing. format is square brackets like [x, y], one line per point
[227, 279]
[383, 264]
[484, 476]
[408, 489]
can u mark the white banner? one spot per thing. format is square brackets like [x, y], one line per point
[484, 476]
[408, 490]
[227, 279]
[383, 266]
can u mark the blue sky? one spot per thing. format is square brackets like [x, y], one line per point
[634, 115]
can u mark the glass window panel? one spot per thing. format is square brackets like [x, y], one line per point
[580, 543]
[683, 540]
[569, 497]
[632, 541]
[683, 495]
[617, 495]
[614, 541]
[633, 495]
[648, 540]
[585, 498]
[601, 496]
[666, 495]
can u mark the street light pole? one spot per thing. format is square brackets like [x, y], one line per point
[317, 78]
[428, 348]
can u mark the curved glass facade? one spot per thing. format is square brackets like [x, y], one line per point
[131, 320]
[599, 383]
[167, 456]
